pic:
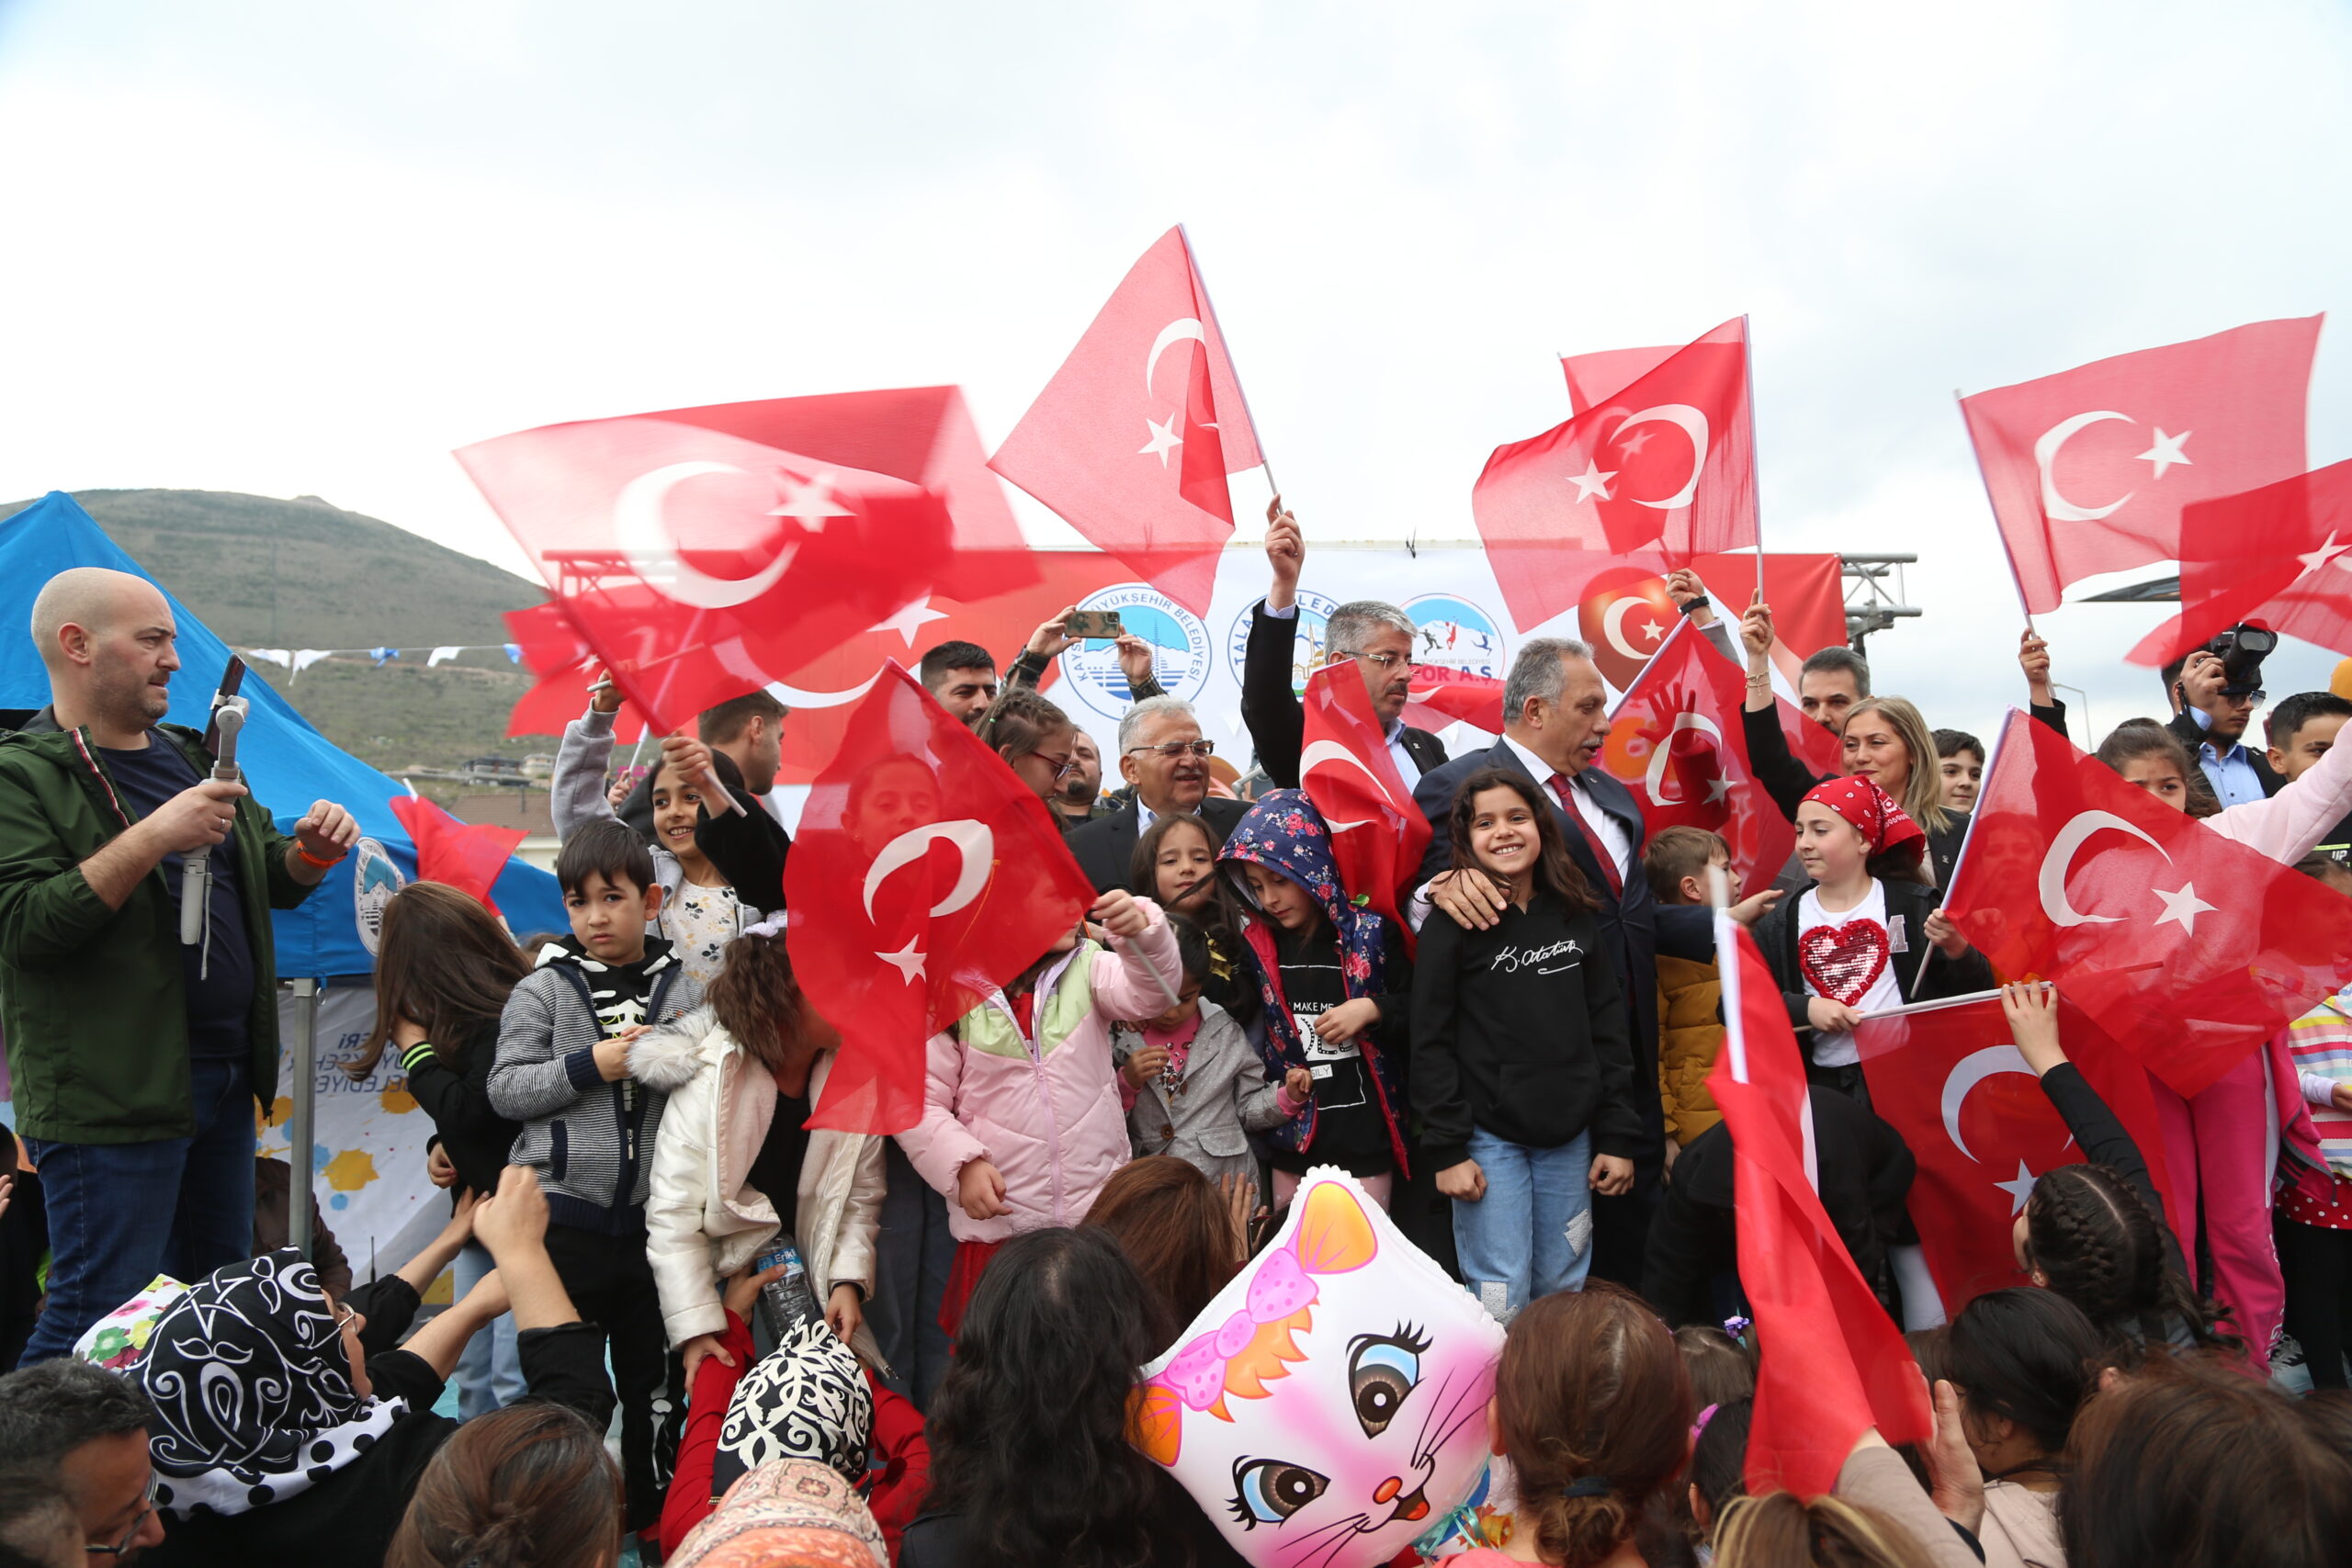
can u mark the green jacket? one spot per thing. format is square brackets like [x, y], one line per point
[91, 999]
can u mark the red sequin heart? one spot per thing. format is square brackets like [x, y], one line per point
[1844, 961]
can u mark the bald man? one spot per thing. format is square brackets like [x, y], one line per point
[136, 1061]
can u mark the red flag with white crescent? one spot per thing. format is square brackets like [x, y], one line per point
[1378, 835]
[2186, 947]
[926, 875]
[2088, 470]
[1130, 442]
[1657, 475]
[1835, 1364]
[2280, 555]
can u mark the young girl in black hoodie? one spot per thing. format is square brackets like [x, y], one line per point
[1522, 1059]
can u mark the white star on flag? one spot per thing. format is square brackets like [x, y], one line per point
[2314, 559]
[2018, 1191]
[809, 503]
[908, 618]
[2166, 452]
[1592, 481]
[908, 960]
[1653, 631]
[1163, 437]
[1718, 787]
[1632, 445]
[2182, 907]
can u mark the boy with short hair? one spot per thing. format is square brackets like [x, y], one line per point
[1689, 1025]
[2300, 729]
[588, 1128]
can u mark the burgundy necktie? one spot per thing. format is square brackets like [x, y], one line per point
[1563, 786]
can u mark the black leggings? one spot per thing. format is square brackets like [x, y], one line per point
[2317, 1263]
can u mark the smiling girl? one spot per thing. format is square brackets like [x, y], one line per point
[1522, 1062]
[1176, 859]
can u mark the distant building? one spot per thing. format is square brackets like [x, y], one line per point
[527, 809]
[539, 765]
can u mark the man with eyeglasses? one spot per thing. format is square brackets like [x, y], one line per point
[1378, 635]
[88, 1427]
[1162, 756]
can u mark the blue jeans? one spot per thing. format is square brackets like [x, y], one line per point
[490, 1371]
[122, 1214]
[1531, 1234]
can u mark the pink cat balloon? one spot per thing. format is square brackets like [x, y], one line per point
[1330, 1406]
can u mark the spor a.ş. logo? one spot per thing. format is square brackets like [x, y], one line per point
[375, 877]
[1179, 649]
[1456, 634]
[1306, 641]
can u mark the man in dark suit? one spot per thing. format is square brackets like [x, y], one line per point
[1555, 715]
[1163, 755]
[1379, 636]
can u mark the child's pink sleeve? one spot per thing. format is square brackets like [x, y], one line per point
[939, 1146]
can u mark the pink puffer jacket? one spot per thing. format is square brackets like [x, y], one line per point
[1042, 1107]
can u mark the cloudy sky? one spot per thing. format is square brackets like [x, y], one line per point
[293, 248]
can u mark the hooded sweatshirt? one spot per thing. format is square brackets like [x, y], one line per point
[1362, 952]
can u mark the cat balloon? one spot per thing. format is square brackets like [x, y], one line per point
[1328, 1408]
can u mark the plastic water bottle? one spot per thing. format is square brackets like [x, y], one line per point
[788, 1301]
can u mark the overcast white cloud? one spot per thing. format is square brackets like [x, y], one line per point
[296, 248]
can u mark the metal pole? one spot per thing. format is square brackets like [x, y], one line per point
[299, 1198]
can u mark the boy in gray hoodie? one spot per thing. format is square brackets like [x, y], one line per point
[588, 1127]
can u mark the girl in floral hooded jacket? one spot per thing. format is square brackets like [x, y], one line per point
[1336, 985]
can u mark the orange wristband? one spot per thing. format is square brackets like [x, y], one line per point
[310, 859]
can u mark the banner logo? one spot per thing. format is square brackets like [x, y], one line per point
[374, 879]
[1457, 635]
[1179, 649]
[1307, 645]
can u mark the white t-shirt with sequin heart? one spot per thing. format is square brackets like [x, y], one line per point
[1847, 957]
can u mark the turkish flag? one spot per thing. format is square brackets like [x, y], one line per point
[1597, 377]
[1834, 1364]
[1629, 612]
[699, 566]
[566, 667]
[1677, 739]
[1131, 441]
[467, 856]
[2088, 470]
[1951, 1082]
[1657, 475]
[921, 434]
[2278, 555]
[824, 693]
[1441, 696]
[2187, 947]
[1377, 833]
[925, 876]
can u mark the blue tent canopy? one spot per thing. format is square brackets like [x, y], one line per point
[288, 763]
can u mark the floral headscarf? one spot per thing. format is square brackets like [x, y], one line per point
[117, 1340]
[252, 1387]
[1886, 826]
[794, 1513]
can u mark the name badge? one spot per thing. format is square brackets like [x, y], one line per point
[1320, 1070]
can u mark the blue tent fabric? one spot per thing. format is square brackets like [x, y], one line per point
[287, 763]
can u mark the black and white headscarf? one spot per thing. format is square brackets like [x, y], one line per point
[252, 1387]
[806, 1399]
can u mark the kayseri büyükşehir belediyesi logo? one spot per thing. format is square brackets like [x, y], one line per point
[1454, 632]
[374, 879]
[1179, 649]
[1307, 642]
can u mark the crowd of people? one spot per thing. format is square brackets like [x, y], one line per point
[828, 1346]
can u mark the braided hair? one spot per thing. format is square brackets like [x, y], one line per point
[1019, 719]
[2095, 1240]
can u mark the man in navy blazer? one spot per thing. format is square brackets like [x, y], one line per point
[1555, 717]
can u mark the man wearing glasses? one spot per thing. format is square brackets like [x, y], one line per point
[1161, 754]
[88, 1427]
[1378, 635]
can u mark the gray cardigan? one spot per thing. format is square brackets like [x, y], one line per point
[1226, 1095]
[592, 1142]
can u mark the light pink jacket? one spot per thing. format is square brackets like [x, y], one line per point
[2286, 826]
[1042, 1107]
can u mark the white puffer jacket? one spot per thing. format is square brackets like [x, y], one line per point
[702, 1218]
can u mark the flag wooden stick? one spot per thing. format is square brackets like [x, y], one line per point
[1192, 260]
[2006, 554]
[1968, 838]
[1754, 485]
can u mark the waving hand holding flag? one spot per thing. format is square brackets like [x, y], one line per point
[925, 876]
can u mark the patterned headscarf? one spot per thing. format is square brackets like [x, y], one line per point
[252, 1387]
[117, 1340]
[806, 1399]
[793, 1513]
[1886, 826]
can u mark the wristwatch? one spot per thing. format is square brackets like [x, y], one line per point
[1695, 605]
